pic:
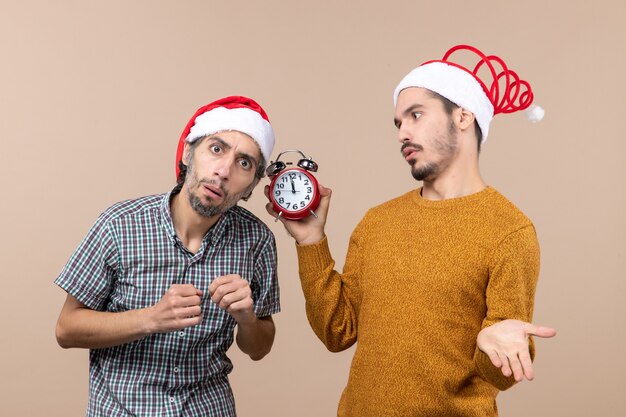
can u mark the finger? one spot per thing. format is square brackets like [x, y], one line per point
[191, 301]
[245, 304]
[231, 277]
[191, 311]
[325, 191]
[527, 364]
[189, 321]
[229, 300]
[322, 208]
[269, 207]
[183, 290]
[179, 301]
[506, 368]
[228, 294]
[266, 191]
[516, 367]
[219, 281]
[325, 194]
[224, 279]
[227, 289]
[540, 331]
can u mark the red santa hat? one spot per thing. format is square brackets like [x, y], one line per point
[229, 113]
[499, 91]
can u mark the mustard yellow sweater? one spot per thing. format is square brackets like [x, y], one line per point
[421, 279]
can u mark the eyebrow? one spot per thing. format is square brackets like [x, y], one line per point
[227, 146]
[405, 113]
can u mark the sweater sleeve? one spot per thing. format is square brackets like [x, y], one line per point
[513, 273]
[332, 299]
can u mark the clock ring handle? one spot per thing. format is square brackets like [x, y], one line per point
[306, 163]
[290, 150]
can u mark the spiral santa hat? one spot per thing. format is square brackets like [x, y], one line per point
[229, 113]
[499, 91]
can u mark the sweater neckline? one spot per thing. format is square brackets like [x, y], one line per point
[417, 197]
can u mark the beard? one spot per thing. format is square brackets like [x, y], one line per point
[425, 172]
[208, 208]
[445, 145]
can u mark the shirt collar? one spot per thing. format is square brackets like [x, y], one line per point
[215, 233]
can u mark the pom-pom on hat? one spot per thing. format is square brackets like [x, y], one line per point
[229, 113]
[499, 91]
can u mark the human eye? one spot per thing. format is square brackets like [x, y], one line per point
[416, 115]
[215, 148]
[245, 164]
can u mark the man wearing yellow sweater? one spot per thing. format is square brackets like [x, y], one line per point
[438, 284]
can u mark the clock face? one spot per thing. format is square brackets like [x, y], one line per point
[294, 191]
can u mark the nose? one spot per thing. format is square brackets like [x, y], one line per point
[403, 134]
[223, 167]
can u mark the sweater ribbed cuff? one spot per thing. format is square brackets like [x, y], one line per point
[313, 258]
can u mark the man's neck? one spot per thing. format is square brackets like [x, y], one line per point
[190, 226]
[458, 180]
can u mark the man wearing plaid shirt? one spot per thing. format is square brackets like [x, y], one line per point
[159, 283]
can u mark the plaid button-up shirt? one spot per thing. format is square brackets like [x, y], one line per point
[128, 260]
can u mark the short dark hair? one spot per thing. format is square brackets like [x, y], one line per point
[182, 168]
[449, 107]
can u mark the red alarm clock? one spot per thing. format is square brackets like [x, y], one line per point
[294, 191]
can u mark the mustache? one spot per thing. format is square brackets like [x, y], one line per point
[215, 184]
[411, 145]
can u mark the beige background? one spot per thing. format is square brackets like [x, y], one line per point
[95, 94]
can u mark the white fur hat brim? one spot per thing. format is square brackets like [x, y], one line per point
[455, 84]
[241, 119]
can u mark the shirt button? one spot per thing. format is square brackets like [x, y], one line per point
[181, 333]
[176, 369]
[172, 399]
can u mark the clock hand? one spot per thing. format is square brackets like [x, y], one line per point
[293, 187]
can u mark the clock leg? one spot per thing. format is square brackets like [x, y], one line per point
[278, 216]
[313, 213]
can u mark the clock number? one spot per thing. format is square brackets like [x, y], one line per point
[291, 186]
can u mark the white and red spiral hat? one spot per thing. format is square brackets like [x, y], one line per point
[497, 90]
[229, 113]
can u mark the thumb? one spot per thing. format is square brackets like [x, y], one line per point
[325, 191]
[540, 331]
[324, 204]
[325, 194]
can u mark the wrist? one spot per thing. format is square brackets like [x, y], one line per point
[311, 239]
[147, 322]
[245, 319]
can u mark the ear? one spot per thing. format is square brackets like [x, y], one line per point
[247, 196]
[251, 187]
[185, 157]
[465, 119]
